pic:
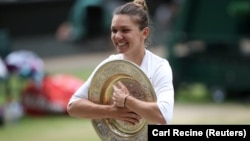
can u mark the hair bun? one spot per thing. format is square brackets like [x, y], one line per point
[141, 3]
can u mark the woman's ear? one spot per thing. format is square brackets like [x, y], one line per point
[145, 32]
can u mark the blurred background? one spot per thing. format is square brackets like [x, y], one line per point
[48, 48]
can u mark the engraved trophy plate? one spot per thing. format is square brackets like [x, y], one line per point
[101, 92]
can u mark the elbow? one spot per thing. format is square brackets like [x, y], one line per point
[162, 121]
[69, 110]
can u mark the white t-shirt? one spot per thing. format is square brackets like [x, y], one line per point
[159, 73]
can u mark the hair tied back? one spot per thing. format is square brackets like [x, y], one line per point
[141, 3]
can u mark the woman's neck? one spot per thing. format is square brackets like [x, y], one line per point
[136, 58]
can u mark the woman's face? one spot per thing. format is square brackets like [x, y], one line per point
[126, 35]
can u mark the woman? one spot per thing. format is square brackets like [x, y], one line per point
[129, 33]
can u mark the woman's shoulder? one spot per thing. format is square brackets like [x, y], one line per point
[155, 58]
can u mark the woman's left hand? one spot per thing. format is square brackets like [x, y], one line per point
[120, 94]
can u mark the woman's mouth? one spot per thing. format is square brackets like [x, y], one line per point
[120, 45]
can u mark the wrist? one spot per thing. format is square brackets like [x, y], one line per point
[125, 99]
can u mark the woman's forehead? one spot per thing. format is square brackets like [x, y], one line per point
[122, 20]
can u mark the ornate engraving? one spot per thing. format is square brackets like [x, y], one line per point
[101, 92]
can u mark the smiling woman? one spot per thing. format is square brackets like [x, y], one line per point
[129, 33]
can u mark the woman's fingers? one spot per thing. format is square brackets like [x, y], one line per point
[122, 86]
[133, 118]
[119, 94]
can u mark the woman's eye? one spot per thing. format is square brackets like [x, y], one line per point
[113, 31]
[125, 30]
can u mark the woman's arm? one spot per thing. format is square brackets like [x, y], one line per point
[84, 108]
[148, 110]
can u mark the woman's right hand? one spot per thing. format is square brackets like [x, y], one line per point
[125, 114]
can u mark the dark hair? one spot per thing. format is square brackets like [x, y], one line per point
[138, 10]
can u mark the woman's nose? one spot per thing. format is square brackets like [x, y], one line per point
[118, 35]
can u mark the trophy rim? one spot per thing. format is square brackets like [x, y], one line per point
[100, 92]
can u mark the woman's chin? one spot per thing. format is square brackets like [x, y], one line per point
[121, 50]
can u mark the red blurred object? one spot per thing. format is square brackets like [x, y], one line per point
[52, 97]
